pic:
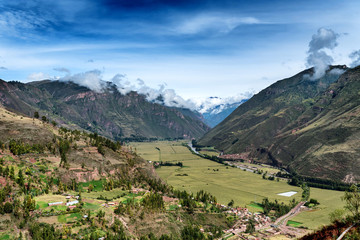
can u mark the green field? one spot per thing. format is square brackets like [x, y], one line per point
[4, 236]
[96, 183]
[294, 223]
[69, 217]
[228, 183]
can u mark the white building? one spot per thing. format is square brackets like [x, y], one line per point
[55, 203]
[72, 203]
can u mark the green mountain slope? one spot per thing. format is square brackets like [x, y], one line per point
[312, 127]
[108, 112]
[53, 179]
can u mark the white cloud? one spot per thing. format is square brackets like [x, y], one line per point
[336, 71]
[38, 76]
[324, 39]
[90, 79]
[216, 22]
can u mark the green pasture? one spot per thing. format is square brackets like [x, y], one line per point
[69, 217]
[329, 201]
[91, 206]
[41, 205]
[4, 236]
[232, 183]
[96, 183]
[294, 223]
[255, 207]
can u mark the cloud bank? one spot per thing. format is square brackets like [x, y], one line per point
[94, 80]
[324, 40]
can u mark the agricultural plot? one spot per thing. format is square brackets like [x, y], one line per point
[329, 201]
[228, 183]
[224, 182]
[66, 218]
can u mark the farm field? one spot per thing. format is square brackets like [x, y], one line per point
[228, 183]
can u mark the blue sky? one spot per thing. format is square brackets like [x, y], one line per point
[199, 48]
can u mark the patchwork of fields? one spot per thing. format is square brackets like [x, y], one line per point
[228, 183]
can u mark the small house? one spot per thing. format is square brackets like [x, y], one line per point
[72, 203]
[55, 203]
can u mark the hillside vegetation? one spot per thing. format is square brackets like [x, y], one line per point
[311, 127]
[57, 183]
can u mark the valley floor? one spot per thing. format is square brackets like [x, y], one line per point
[228, 183]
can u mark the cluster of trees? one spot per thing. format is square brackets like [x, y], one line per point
[101, 142]
[187, 200]
[205, 197]
[306, 192]
[44, 118]
[189, 232]
[64, 147]
[192, 233]
[7, 172]
[153, 201]
[17, 147]
[279, 208]
[296, 180]
[39, 231]
[352, 201]
[161, 163]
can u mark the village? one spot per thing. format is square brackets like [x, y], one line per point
[264, 227]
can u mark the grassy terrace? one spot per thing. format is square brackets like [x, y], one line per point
[228, 183]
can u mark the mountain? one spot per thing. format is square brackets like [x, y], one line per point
[311, 127]
[216, 114]
[108, 112]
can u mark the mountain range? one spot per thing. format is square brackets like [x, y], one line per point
[216, 114]
[308, 126]
[107, 112]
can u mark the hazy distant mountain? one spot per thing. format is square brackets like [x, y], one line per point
[108, 112]
[216, 114]
[310, 126]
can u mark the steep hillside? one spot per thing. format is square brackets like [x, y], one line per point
[312, 127]
[108, 113]
[57, 183]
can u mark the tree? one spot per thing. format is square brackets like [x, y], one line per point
[8, 207]
[352, 201]
[191, 233]
[250, 227]
[21, 179]
[90, 188]
[36, 115]
[336, 215]
[44, 119]
[231, 203]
